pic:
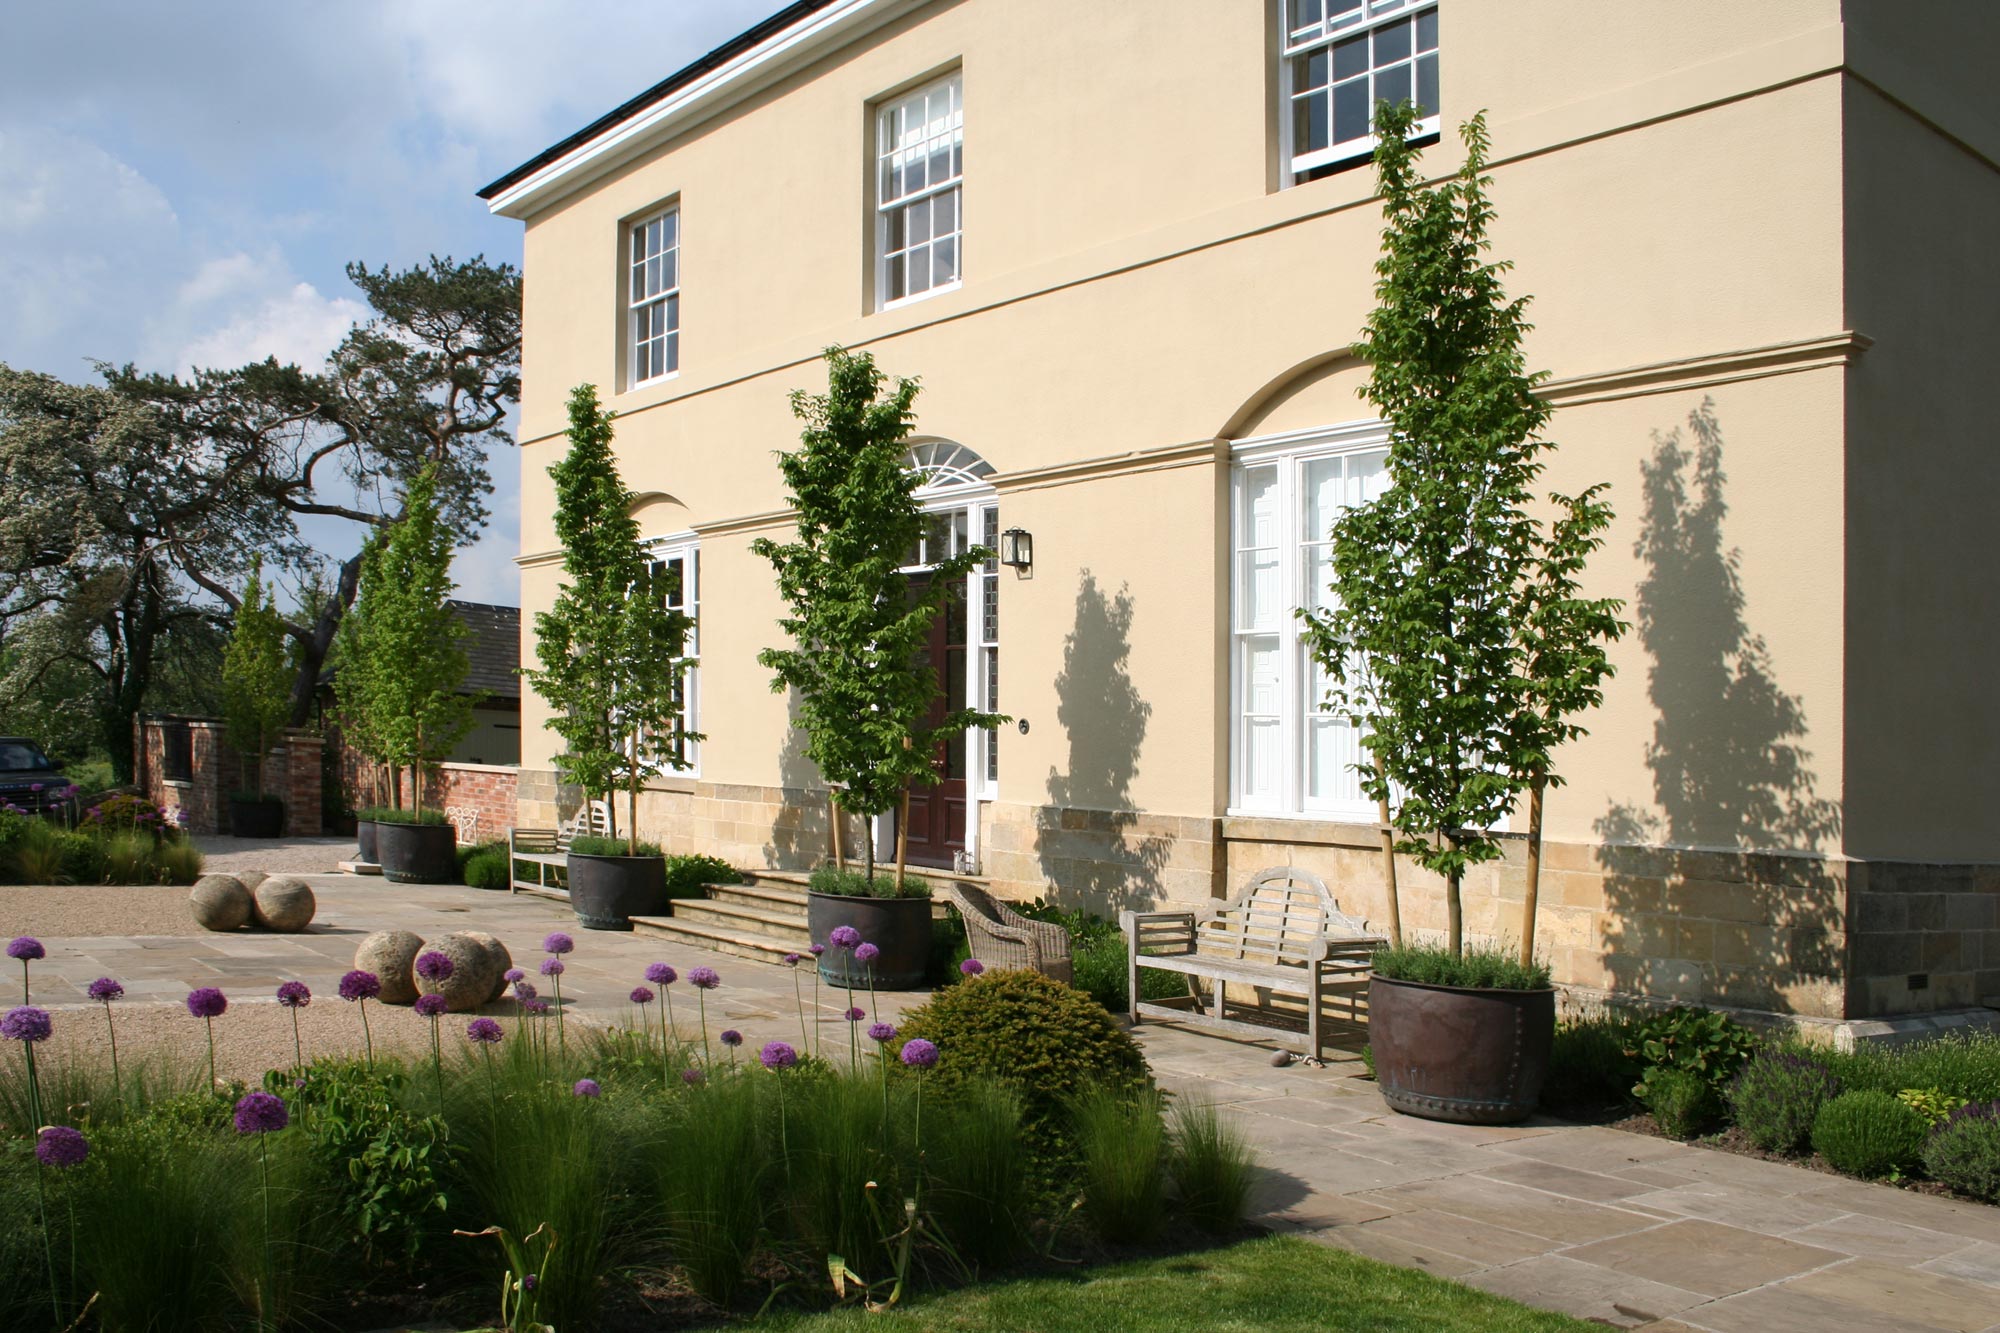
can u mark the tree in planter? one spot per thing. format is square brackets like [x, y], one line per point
[611, 646]
[256, 677]
[858, 622]
[412, 676]
[1457, 632]
[354, 687]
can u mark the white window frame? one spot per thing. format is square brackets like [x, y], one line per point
[1295, 43]
[642, 297]
[895, 142]
[686, 548]
[1288, 454]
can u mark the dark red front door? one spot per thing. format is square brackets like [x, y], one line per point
[937, 812]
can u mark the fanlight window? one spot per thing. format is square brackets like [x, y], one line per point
[946, 468]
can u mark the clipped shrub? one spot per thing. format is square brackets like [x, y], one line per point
[1964, 1152]
[593, 844]
[687, 874]
[1589, 1068]
[1681, 1101]
[1703, 1042]
[1211, 1165]
[1776, 1097]
[1047, 1040]
[486, 866]
[1485, 969]
[853, 884]
[383, 814]
[1869, 1133]
[1934, 1106]
[1121, 1142]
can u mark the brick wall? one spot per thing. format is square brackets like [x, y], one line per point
[481, 792]
[215, 770]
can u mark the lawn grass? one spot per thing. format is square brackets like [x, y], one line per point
[1276, 1284]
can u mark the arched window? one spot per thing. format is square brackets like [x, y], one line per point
[948, 469]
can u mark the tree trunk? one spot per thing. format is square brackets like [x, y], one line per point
[1454, 909]
[868, 840]
[833, 808]
[1389, 857]
[1534, 869]
[902, 836]
[632, 801]
[317, 640]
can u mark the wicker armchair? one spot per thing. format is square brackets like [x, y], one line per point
[1002, 938]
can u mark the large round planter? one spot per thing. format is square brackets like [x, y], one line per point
[417, 853]
[899, 927]
[364, 842]
[606, 892]
[256, 818]
[1455, 1053]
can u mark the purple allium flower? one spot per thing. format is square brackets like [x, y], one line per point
[866, 953]
[919, 1054]
[434, 966]
[528, 1282]
[525, 991]
[694, 1078]
[552, 967]
[535, 1007]
[731, 1037]
[971, 967]
[26, 948]
[294, 995]
[482, 1030]
[557, 942]
[642, 995]
[778, 1055]
[586, 1087]
[660, 974]
[512, 974]
[704, 978]
[844, 937]
[855, 1014]
[207, 1002]
[817, 950]
[261, 1113]
[26, 1023]
[107, 990]
[60, 1146]
[360, 985]
[791, 959]
[882, 1031]
[430, 1006]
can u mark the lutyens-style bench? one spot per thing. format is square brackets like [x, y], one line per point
[1284, 934]
[548, 848]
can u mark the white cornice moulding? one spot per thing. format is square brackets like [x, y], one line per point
[709, 95]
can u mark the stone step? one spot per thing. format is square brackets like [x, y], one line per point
[743, 917]
[763, 897]
[720, 939]
[359, 867]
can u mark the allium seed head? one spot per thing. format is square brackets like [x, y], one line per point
[971, 967]
[207, 1002]
[26, 948]
[919, 1054]
[642, 995]
[60, 1146]
[731, 1037]
[704, 978]
[482, 1030]
[360, 985]
[25, 1023]
[107, 990]
[866, 953]
[430, 1006]
[261, 1113]
[778, 1055]
[434, 966]
[294, 995]
[586, 1087]
[844, 937]
[660, 974]
[882, 1031]
[557, 942]
[552, 967]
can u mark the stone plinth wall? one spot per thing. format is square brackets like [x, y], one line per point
[215, 769]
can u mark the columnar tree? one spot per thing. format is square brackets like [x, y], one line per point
[611, 646]
[354, 686]
[413, 666]
[858, 622]
[256, 677]
[1457, 633]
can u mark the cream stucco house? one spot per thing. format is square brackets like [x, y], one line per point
[1125, 247]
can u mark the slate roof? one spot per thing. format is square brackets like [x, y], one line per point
[493, 647]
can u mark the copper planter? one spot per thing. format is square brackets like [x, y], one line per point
[1455, 1053]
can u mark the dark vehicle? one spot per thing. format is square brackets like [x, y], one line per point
[28, 780]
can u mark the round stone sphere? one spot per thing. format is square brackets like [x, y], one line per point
[497, 958]
[389, 954]
[473, 974]
[283, 904]
[219, 902]
[250, 879]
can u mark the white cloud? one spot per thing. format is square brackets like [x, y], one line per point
[299, 325]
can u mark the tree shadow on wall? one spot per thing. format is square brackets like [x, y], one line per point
[1084, 834]
[1730, 770]
[800, 837]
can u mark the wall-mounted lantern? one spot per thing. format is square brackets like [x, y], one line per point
[1017, 548]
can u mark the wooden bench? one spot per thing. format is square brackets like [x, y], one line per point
[1283, 934]
[548, 849]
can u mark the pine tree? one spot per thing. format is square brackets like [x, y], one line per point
[858, 621]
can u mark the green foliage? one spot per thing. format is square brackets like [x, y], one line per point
[1964, 1152]
[611, 646]
[1589, 1069]
[978, 1191]
[1121, 1140]
[383, 814]
[381, 1158]
[1436, 965]
[1097, 958]
[687, 875]
[1868, 1133]
[123, 812]
[837, 1140]
[1458, 633]
[1046, 1040]
[1211, 1165]
[1681, 1100]
[857, 623]
[486, 866]
[1777, 1097]
[1965, 1066]
[1934, 1106]
[35, 851]
[832, 879]
[403, 641]
[256, 677]
[1703, 1042]
[593, 845]
[711, 1169]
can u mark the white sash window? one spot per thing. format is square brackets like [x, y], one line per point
[1342, 57]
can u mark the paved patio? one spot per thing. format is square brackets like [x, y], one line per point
[1632, 1231]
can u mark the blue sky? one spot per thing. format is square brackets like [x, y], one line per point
[183, 184]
